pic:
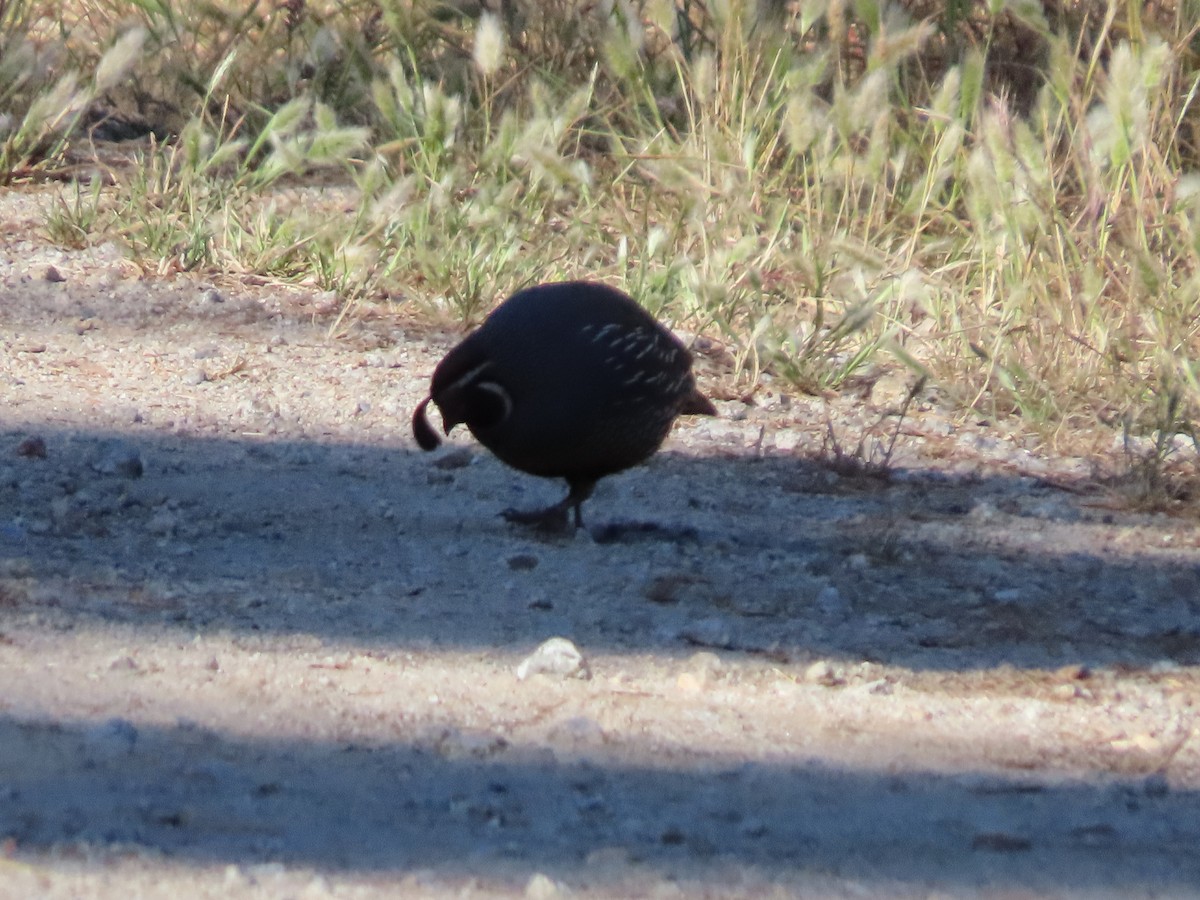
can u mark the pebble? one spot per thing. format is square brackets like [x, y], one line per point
[673, 836]
[612, 857]
[32, 448]
[458, 458]
[16, 568]
[754, 601]
[824, 673]
[831, 602]
[556, 656]
[456, 744]
[1164, 667]
[983, 443]
[892, 389]
[935, 426]
[542, 887]
[705, 663]
[522, 562]
[111, 737]
[1156, 785]
[1076, 671]
[383, 359]
[1001, 842]
[577, 730]
[858, 561]
[672, 587]
[877, 687]
[983, 511]
[67, 513]
[326, 302]
[318, 888]
[787, 439]
[1069, 692]
[690, 683]
[163, 523]
[118, 458]
[754, 828]
[207, 351]
[709, 632]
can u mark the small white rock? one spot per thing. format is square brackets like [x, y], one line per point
[557, 656]
[787, 439]
[163, 522]
[542, 887]
[822, 672]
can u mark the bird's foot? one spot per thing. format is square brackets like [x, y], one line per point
[551, 520]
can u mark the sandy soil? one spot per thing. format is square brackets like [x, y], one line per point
[253, 643]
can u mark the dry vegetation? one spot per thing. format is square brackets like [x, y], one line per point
[1002, 196]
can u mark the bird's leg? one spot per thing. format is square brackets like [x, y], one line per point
[553, 519]
[580, 491]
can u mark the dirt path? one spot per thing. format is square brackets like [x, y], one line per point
[254, 643]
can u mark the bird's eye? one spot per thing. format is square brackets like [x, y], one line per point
[489, 405]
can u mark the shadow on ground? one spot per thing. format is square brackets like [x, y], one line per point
[771, 555]
[383, 547]
[404, 807]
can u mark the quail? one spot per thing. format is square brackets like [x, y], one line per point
[571, 380]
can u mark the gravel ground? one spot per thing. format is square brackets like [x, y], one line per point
[253, 643]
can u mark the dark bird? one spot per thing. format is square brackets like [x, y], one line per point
[571, 380]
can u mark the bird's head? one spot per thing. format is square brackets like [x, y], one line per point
[465, 394]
